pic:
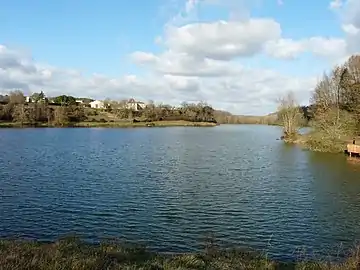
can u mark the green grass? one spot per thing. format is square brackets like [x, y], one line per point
[321, 143]
[120, 124]
[71, 253]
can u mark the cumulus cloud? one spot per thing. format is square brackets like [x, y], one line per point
[328, 48]
[349, 15]
[183, 64]
[19, 72]
[233, 86]
[222, 40]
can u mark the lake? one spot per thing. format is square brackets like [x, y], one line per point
[169, 188]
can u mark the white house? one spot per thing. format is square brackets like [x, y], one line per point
[97, 104]
[135, 105]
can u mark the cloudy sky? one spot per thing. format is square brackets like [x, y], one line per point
[238, 55]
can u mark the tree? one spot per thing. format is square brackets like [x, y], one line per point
[16, 97]
[290, 116]
[61, 117]
[65, 100]
[107, 103]
[37, 97]
[75, 113]
[20, 114]
[335, 109]
[350, 84]
[334, 99]
[149, 112]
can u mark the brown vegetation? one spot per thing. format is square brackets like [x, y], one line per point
[71, 253]
[290, 116]
[334, 113]
[65, 111]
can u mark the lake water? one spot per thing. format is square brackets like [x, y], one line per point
[170, 187]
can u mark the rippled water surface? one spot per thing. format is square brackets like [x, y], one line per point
[170, 187]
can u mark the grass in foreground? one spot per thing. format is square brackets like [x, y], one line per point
[74, 254]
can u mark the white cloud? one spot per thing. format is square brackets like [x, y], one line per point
[184, 64]
[284, 48]
[350, 29]
[349, 14]
[233, 86]
[226, 40]
[222, 40]
[352, 12]
[328, 48]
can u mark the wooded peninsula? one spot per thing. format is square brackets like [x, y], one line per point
[333, 114]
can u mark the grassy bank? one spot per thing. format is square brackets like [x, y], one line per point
[74, 254]
[320, 143]
[120, 124]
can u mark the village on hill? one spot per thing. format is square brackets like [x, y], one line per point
[38, 109]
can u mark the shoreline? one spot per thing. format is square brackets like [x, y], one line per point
[125, 124]
[73, 253]
[312, 142]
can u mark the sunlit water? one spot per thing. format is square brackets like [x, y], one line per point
[170, 187]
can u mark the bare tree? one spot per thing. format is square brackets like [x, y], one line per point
[16, 97]
[107, 103]
[20, 114]
[61, 117]
[289, 115]
[332, 99]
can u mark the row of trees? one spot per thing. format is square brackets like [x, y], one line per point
[200, 112]
[17, 110]
[33, 114]
[223, 117]
[334, 113]
[40, 111]
[19, 98]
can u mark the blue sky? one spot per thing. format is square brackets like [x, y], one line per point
[107, 37]
[96, 36]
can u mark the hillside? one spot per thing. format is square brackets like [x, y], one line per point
[224, 117]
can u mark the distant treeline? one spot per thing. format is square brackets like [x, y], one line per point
[223, 117]
[64, 109]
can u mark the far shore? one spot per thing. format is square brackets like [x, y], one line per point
[120, 124]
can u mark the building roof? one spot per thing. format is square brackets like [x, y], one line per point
[131, 100]
[97, 101]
